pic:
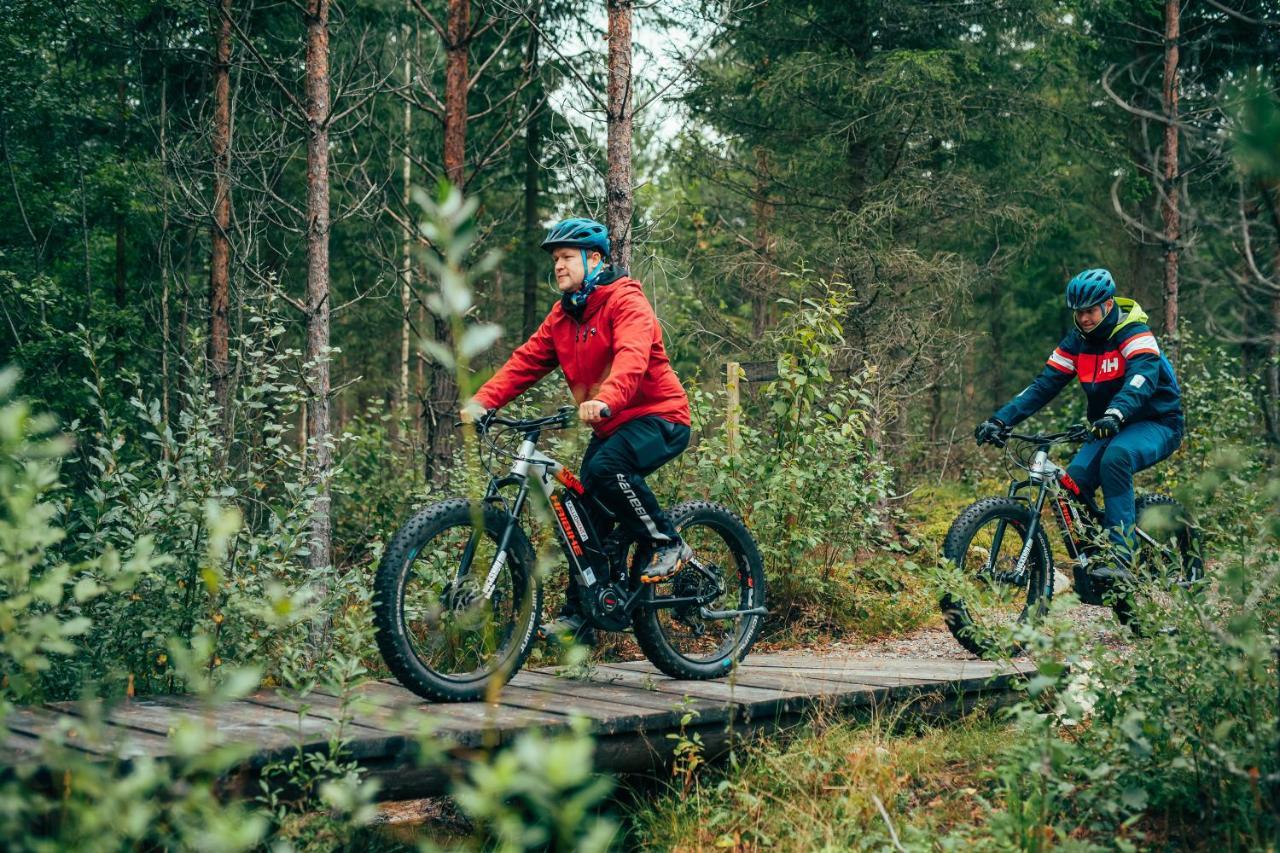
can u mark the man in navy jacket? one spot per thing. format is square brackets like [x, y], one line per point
[1134, 404]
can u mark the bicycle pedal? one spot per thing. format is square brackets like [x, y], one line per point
[660, 578]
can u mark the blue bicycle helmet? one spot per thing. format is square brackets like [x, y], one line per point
[1090, 288]
[578, 234]
[585, 235]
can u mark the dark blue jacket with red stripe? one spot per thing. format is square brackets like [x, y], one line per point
[1120, 367]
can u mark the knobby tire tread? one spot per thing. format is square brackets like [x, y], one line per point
[954, 547]
[388, 619]
[648, 628]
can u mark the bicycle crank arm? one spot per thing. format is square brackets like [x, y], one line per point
[730, 614]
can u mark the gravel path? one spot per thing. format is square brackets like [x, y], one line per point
[1098, 623]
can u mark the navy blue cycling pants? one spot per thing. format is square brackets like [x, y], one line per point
[1111, 464]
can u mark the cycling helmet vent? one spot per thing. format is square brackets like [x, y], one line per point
[1090, 288]
[578, 233]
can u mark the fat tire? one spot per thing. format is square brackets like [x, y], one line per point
[648, 629]
[388, 600]
[1189, 546]
[954, 548]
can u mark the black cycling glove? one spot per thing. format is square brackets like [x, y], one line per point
[1106, 426]
[990, 431]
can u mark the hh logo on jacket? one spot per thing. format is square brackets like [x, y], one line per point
[1103, 366]
[1100, 368]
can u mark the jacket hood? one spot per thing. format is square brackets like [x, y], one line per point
[1130, 312]
[1125, 312]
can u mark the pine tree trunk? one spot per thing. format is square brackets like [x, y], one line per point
[1169, 208]
[530, 315]
[762, 293]
[441, 405]
[442, 391]
[320, 457]
[120, 288]
[220, 245]
[1271, 403]
[406, 248]
[163, 250]
[457, 40]
[618, 175]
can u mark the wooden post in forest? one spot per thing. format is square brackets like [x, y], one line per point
[733, 413]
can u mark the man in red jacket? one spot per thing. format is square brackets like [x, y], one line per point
[605, 337]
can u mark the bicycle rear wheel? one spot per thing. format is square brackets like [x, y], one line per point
[728, 574]
[986, 598]
[441, 635]
[1169, 559]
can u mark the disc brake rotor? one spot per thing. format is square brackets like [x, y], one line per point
[702, 582]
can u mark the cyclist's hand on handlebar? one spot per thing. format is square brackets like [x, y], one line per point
[474, 413]
[990, 431]
[1106, 426]
[593, 412]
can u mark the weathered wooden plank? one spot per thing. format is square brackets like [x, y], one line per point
[480, 715]
[838, 676]
[382, 706]
[116, 742]
[608, 717]
[360, 713]
[16, 747]
[267, 729]
[599, 687]
[965, 672]
[801, 683]
[764, 700]
[928, 667]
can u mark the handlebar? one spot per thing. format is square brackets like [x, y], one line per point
[562, 419]
[1076, 435]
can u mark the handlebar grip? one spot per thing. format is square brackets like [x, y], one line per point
[606, 412]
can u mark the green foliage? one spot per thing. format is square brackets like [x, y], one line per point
[803, 477]
[141, 485]
[41, 595]
[1173, 738]
[540, 794]
[72, 790]
[835, 786]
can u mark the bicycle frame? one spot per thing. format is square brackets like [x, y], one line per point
[1077, 515]
[608, 600]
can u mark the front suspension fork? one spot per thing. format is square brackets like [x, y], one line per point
[1019, 575]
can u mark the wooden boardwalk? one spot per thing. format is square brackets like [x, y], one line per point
[631, 707]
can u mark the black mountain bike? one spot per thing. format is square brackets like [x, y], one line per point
[458, 595]
[1002, 552]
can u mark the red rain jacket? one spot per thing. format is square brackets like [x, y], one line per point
[614, 354]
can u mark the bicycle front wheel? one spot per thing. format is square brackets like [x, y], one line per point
[988, 597]
[452, 616]
[727, 575]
